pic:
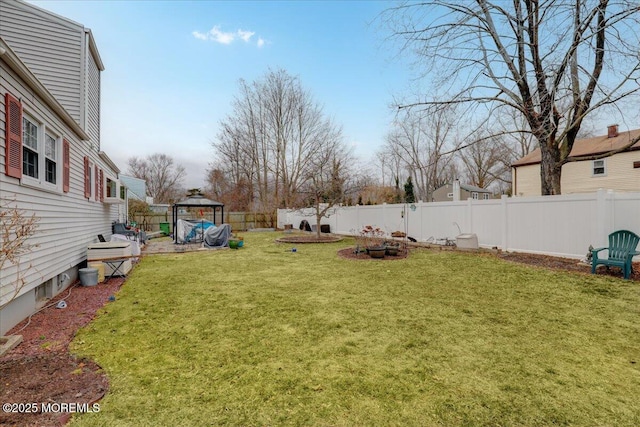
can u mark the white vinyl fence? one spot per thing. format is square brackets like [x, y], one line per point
[554, 225]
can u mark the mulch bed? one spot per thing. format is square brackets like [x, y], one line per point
[311, 238]
[545, 261]
[41, 369]
[567, 264]
[350, 253]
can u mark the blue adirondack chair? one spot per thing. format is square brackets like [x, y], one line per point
[622, 249]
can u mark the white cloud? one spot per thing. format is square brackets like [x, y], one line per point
[217, 35]
[220, 36]
[245, 35]
[199, 35]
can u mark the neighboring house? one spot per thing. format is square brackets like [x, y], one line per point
[136, 187]
[159, 208]
[619, 172]
[457, 191]
[51, 164]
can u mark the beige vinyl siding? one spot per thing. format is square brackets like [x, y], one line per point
[68, 222]
[577, 177]
[93, 100]
[50, 46]
[527, 180]
[440, 194]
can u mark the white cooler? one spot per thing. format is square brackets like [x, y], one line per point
[98, 251]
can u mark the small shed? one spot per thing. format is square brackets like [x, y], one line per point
[197, 201]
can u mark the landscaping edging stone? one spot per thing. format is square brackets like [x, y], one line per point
[7, 343]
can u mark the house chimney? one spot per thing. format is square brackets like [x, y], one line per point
[612, 131]
[456, 190]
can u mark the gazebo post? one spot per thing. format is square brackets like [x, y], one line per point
[174, 210]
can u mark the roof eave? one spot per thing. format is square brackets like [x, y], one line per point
[94, 49]
[537, 162]
[515, 165]
[109, 162]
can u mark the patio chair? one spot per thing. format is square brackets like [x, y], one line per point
[622, 249]
[119, 228]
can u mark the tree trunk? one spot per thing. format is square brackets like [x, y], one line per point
[550, 169]
[318, 216]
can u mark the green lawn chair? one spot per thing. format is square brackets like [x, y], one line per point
[622, 249]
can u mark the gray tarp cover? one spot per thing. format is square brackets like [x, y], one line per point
[217, 237]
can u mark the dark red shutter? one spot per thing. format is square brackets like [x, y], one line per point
[96, 196]
[66, 165]
[13, 132]
[87, 178]
[101, 185]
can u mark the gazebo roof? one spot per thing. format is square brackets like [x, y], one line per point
[198, 200]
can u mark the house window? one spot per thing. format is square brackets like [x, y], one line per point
[450, 195]
[485, 196]
[41, 292]
[111, 187]
[599, 167]
[29, 147]
[474, 195]
[50, 159]
[41, 154]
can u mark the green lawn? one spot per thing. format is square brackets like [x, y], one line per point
[262, 336]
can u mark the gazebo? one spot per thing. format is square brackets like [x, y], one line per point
[196, 201]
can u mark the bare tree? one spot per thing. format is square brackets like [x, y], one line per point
[555, 62]
[271, 138]
[235, 194]
[331, 176]
[162, 177]
[422, 143]
[16, 228]
[484, 162]
[391, 164]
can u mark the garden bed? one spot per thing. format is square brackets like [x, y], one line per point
[41, 369]
[350, 253]
[309, 238]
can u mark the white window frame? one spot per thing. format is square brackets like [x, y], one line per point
[599, 164]
[112, 189]
[485, 196]
[41, 140]
[56, 159]
[474, 195]
[26, 178]
[449, 195]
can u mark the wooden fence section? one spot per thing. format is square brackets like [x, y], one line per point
[250, 220]
[239, 221]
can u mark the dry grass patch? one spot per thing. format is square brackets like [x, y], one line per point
[264, 336]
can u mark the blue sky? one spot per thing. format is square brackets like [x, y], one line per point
[172, 69]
